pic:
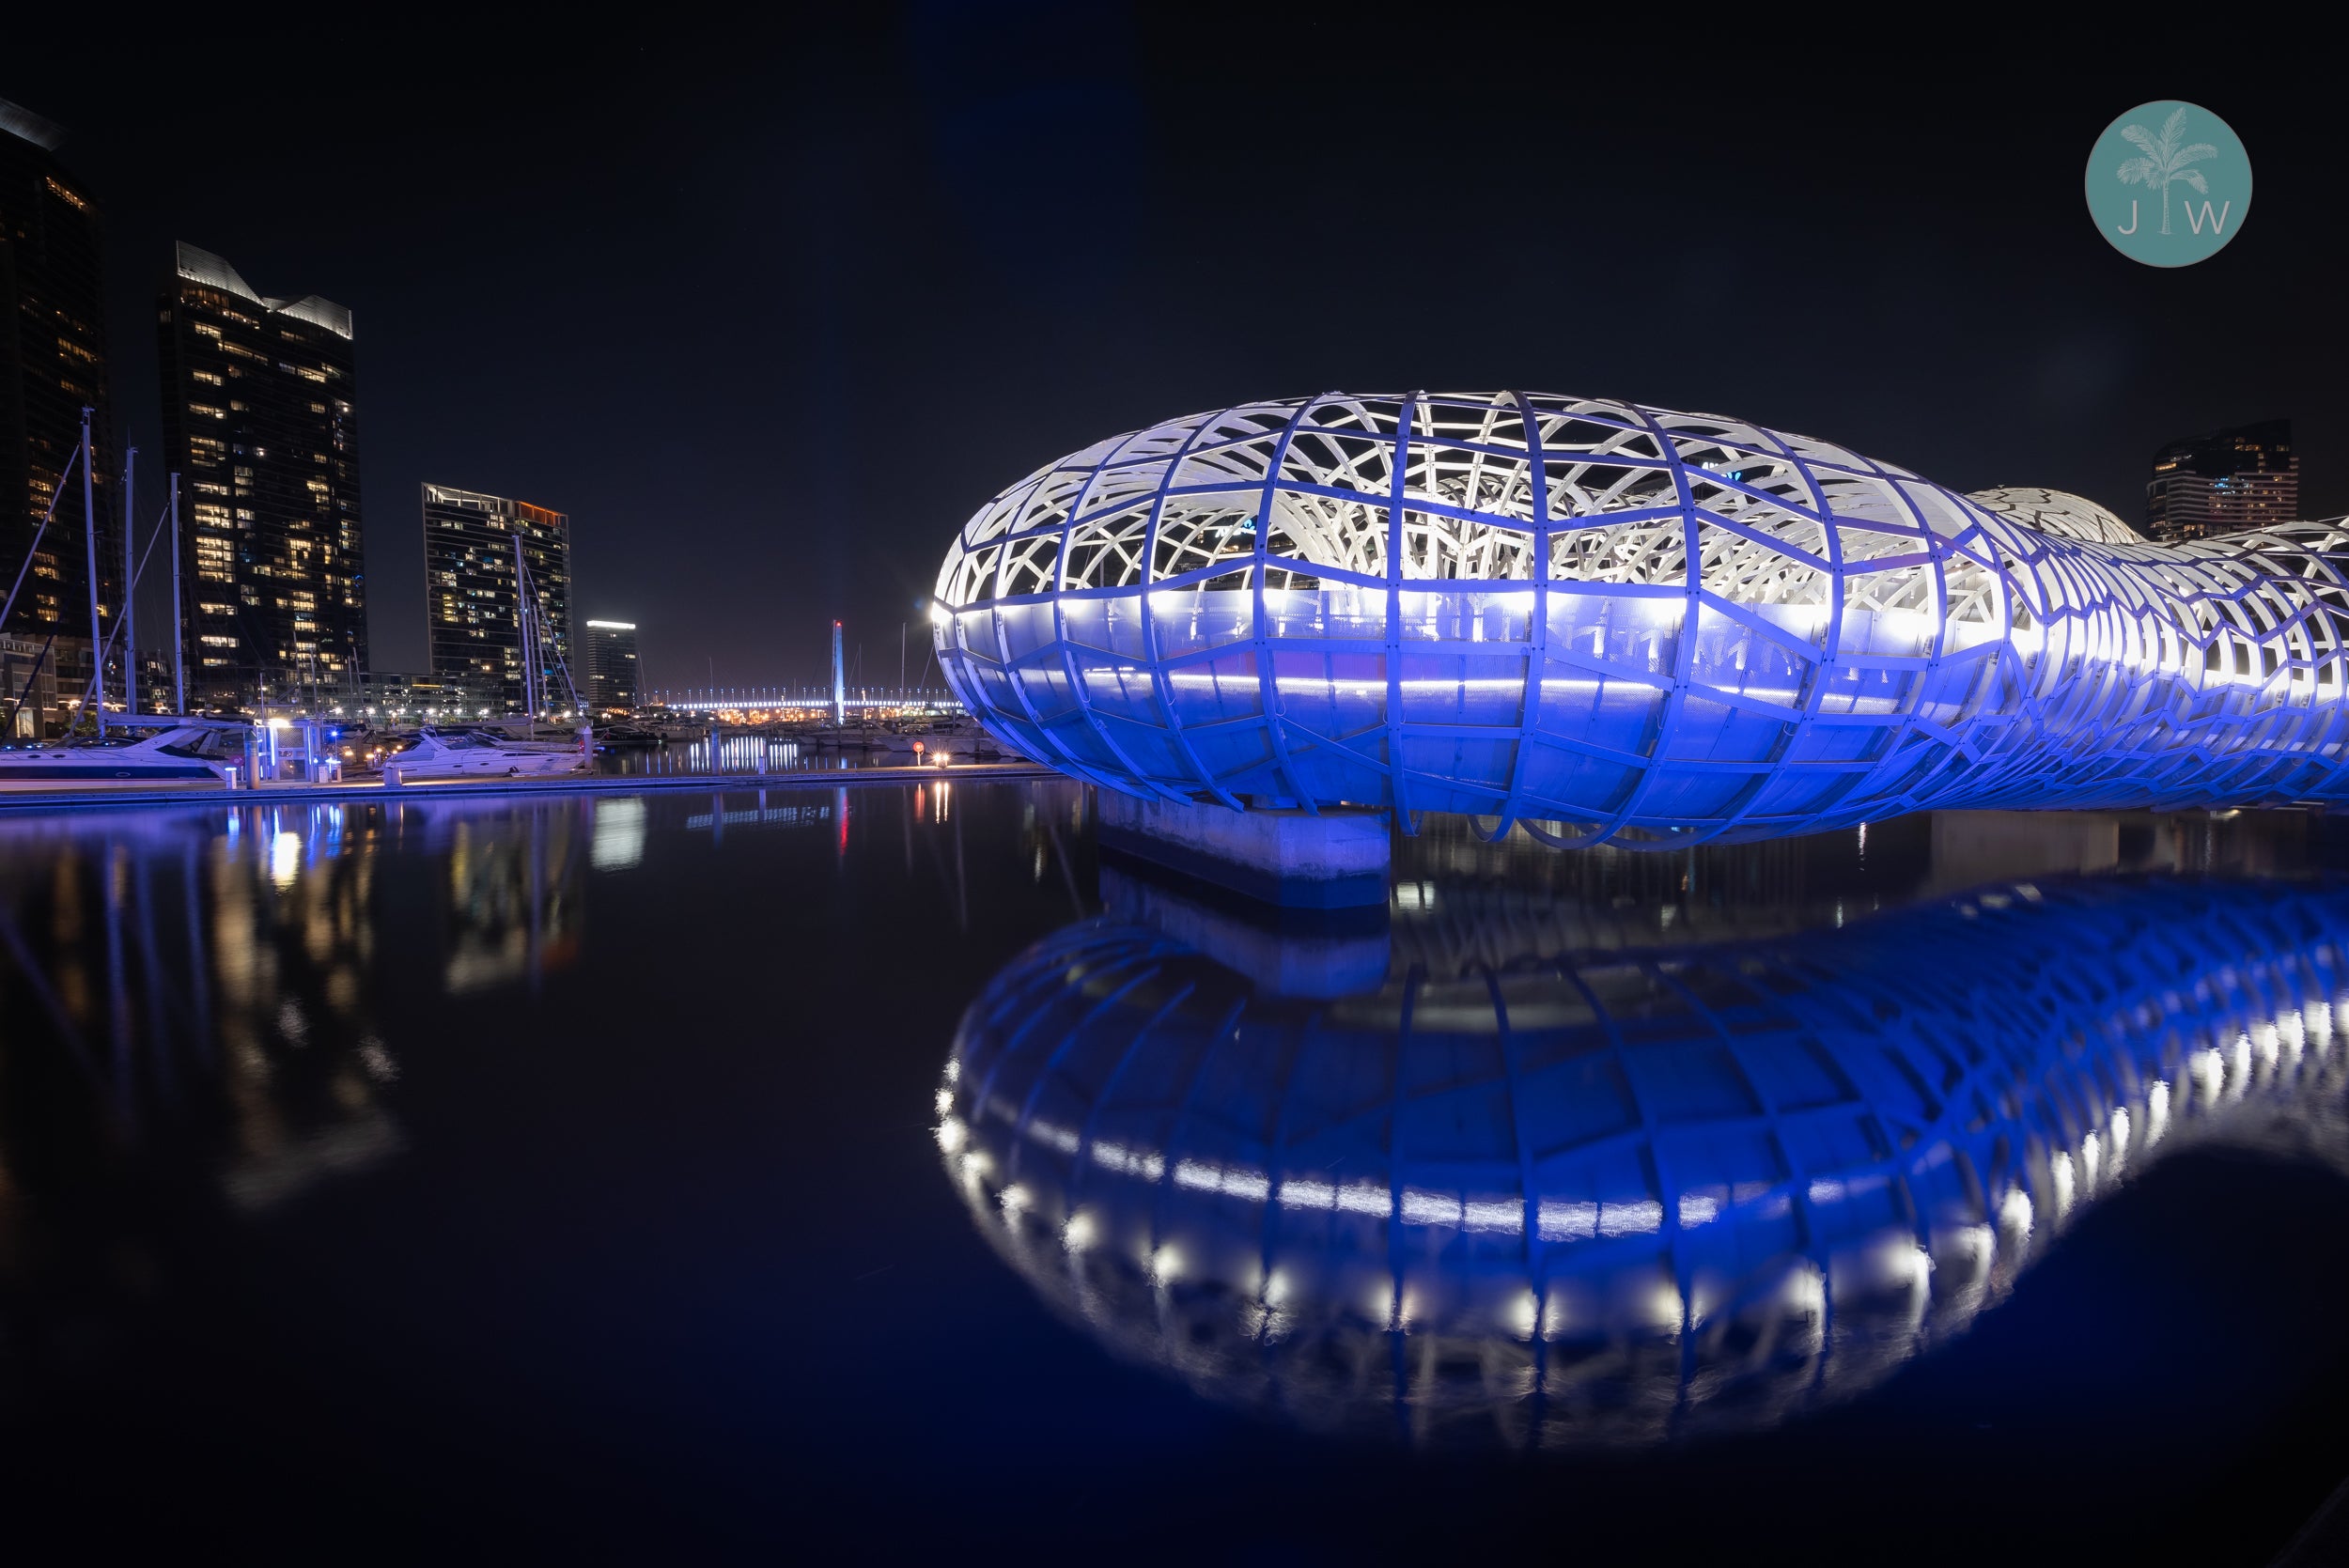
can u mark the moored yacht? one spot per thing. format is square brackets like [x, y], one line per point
[626, 737]
[169, 750]
[440, 753]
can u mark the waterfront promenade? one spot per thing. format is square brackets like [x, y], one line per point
[147, 796]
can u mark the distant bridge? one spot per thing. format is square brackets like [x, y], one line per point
[772, 699]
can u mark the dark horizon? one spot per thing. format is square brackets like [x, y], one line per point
[769, 312]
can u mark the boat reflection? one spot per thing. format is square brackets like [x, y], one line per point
[1636, 1195]
[212, 977]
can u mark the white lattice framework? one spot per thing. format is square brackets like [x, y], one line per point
[1485, 603]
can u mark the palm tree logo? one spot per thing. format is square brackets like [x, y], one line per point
[2165, 160]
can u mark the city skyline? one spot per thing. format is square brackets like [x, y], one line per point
[694, 379]
[1492, 781]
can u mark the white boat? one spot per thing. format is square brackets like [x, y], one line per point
[193, 753]
[477, 753]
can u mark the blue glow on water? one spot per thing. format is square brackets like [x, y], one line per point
[1625, 1197]
[570, 1170]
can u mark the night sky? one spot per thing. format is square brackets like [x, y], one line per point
[771, 310]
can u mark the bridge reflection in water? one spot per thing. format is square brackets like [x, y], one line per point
[1621, 1197]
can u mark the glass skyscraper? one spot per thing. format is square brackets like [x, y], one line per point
[473, 613]
[52, 364]
[260, 417]
[611, 664]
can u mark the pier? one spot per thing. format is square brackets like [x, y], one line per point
[138, 796]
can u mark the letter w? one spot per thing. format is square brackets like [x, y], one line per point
[2218, 224]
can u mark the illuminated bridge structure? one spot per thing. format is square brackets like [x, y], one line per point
[804, 699]
[1630, 1196]
[1615, 623]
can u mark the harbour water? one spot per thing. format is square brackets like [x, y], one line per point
[703, 1174]
[753, 754]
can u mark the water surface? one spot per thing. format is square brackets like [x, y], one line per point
[581, 1173]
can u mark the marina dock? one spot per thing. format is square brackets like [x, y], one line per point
[145, 796]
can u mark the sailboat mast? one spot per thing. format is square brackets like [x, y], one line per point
[178, 653]
[130, 598]
[89, 543]
[522, 630]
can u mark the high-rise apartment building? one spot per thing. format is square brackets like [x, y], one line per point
[262, 419]
[396, 696]
[52, 364]
[473, 609]
[2245, 477]
[612, 675]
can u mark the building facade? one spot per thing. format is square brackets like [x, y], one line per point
[260, 418]
[396, 695]
[52, 364]
[611, 666]
[2248, 476]
[473, 607]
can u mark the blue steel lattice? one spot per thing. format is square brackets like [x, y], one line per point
[1485, 603]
